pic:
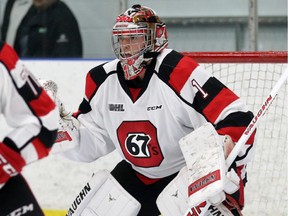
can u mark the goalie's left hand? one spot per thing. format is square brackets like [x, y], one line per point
[231, 185]
[232, 180]
[228, 145]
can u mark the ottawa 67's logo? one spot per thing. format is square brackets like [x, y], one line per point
[139, 143]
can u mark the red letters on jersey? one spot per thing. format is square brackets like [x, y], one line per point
[139, 143]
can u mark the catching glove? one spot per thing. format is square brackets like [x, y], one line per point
[68, 133]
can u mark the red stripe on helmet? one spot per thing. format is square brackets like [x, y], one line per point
[129, 32]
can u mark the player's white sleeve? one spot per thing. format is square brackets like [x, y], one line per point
[77, 140]
[103, 196]
[90, 148]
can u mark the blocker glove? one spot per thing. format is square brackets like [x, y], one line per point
[11, 163]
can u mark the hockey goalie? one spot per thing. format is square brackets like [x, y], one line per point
[186, 194]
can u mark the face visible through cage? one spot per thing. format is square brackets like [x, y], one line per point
[131, 46]
[130, 43]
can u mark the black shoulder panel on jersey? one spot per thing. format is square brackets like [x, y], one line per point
[238, 119]
[213, 86]
[83, 108]
[95, 78]
[168, 65]
[98, 74]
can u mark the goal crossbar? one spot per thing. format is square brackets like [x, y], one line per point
[239, 57]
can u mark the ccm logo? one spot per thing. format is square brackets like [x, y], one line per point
[154, 107]
[22, 210]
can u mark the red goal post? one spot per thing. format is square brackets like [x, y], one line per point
[234, 57]
[252, 75]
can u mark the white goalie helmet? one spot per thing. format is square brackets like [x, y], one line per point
[137, 35]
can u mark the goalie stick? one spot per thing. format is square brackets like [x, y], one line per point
[200, 211]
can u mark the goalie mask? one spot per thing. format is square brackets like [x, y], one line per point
[137, 35]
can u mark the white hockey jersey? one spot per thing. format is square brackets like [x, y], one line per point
[145, 124]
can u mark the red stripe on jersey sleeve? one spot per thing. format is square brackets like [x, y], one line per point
[40, 148]
[181, 73]
[235, 133]
[8, 56]
[42, 105]
[90, 86]
[221, 101]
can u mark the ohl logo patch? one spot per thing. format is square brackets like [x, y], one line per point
[116, 107]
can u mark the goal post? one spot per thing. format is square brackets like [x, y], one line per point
[252, 75]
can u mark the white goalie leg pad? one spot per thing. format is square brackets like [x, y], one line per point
[204, 156]
[104, 196]
[173, 200]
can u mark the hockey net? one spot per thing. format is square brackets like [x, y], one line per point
[252, 75]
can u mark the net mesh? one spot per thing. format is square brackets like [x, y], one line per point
[266, 190]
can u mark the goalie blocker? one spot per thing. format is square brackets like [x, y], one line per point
[205, 177]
